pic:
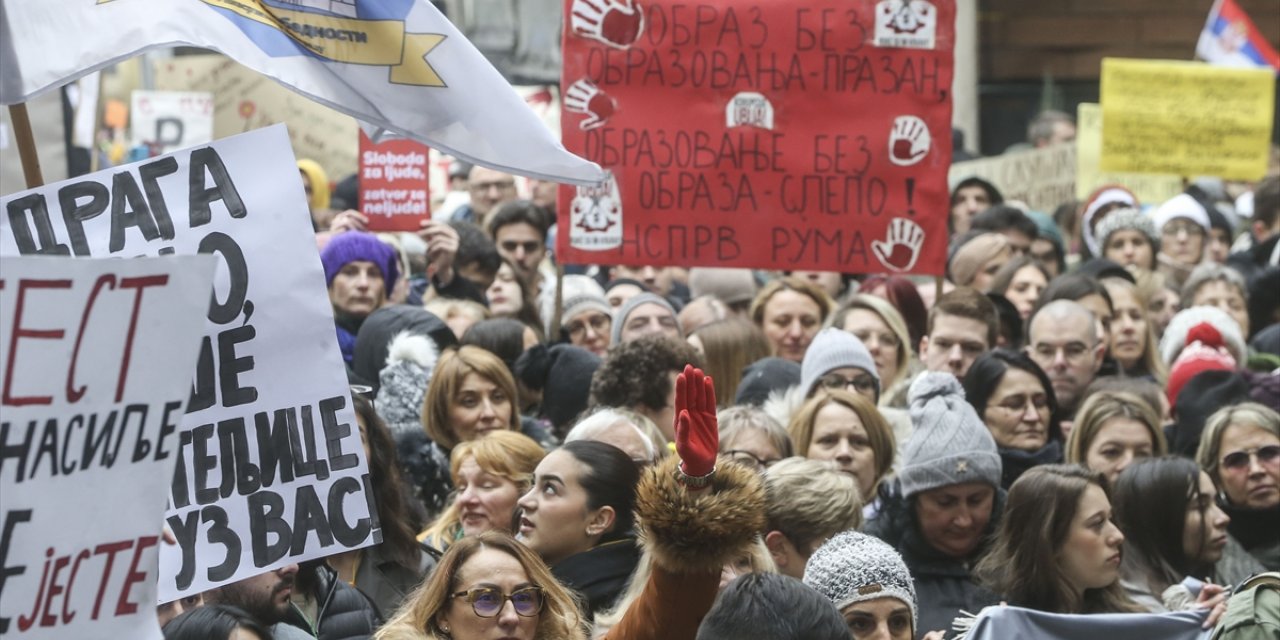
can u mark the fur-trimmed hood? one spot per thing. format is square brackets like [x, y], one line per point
[699, 532]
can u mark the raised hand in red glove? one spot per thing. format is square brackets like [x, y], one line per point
[697, 432]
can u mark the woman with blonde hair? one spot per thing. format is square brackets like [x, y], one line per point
[471, 394]
[846, 428]
[1112, 430]
[489, 475]
[728, 347]
[1240, 450]
[485, 586]
[1133, 339]
[884, 332]
[790, 311]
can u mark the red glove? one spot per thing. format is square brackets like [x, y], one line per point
[697, 432]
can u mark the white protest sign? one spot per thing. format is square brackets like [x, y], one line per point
[271, 470]
[171, 120]
[94, 361]
[1042, 178]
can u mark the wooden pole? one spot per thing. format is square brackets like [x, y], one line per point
[26, 145]
[554, 336]
[937, 289]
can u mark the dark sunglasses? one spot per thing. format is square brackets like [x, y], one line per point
[1240, 459]
[487, 602]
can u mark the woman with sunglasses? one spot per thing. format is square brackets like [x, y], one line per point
[1240, 450]
[1014, 398]
[488, 586]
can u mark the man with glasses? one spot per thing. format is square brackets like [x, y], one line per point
[1063, 340]
[488, 189]
[837, 359]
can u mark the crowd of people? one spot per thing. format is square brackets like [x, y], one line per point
[1082, 419]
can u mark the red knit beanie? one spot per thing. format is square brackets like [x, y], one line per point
[1205, 351]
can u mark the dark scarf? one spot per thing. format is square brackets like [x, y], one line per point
[1253, 527]
[1015, 462]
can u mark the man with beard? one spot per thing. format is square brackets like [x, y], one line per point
[265, 597]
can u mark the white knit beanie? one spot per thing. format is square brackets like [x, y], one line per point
[949, 445]
[835, 349]
[854, 567]
[1175, 335]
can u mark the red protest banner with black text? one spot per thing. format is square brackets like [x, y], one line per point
[783, 135]
[394, 194]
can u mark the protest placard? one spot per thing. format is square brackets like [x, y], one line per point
[244, 99]
[395, 189]
[94, 363]
[270, 466]
[1149, 187]
[1186, 118]
[170, 120]
[806, 135]
[1042, 178]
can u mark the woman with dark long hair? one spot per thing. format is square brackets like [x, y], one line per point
[1057, 549]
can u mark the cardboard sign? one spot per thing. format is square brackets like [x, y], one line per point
[270, 466]
[1042, 178]
[1149, 187]
[94, 359]
[812, 135]
[395, 190]
[1186, 118]
[244, 100]
[171, 120]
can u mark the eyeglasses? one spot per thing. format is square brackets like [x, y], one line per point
[599, 323]
[1237, 460]
[750, 459]
[488, 602]
[482, 187]
[1174, 227]
[862, 383]
[886, 340]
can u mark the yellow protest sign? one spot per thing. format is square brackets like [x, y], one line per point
[1149, 187]
[1186, 118]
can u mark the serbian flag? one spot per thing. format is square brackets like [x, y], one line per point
[398, 65]
[1231, 39]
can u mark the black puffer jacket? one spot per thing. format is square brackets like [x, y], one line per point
[944, 585]
[341, 611]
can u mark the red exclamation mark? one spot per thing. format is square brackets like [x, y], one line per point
[911, 196]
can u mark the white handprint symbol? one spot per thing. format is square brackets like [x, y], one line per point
[617, 23]
[901, 246]
[909, 141]
[585, 97]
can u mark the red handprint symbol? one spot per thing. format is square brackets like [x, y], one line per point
[585, 97]
[617, 23]
[901, 246]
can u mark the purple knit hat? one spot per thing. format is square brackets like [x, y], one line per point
[351, 246]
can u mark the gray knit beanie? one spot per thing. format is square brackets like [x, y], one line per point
[950, 444]
[620, 318]
[1122, 219]
[581, 294]
[835, 349]
[411, 358]
[854, 567]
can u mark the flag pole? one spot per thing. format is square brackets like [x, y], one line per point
[26, 145]
[559, 306]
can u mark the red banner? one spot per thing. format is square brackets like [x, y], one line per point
[393, 184]
[779, 135]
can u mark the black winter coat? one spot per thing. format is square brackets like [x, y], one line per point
[600, 574]
[944, 584]
[342, 612]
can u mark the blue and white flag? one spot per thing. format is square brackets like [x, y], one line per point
[397, 65]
